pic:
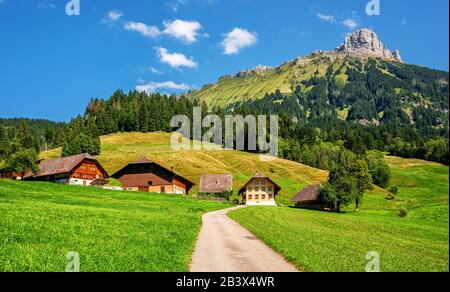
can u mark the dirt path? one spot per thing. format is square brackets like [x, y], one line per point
[226, 246]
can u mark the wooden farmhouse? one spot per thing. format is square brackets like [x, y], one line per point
[82, 170]
[10, 175]
[260, 190]
[309, 197]
[147, 176]
[216, 184]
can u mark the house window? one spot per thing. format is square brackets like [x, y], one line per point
[270, 197]
[263, 189]
[150, 183]
[257, 197]
[256, 182]
[263, 197]
[270, 189]
[263, 182]
[249, 189]
[250, 197]
[256, 189]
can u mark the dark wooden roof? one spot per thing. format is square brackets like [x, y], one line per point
[138, 178]
[308, 194]
[216, 183]
[62, 165]
[260, 175]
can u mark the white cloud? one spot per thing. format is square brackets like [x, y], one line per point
[142, 28]
[186, 31]
[175, 60]
[111, 17]
[174, 5]
[238, 39]
[327, 18]
[155, 70]
[350, 20]
[350, 23]
[153, 86]
[114, 15]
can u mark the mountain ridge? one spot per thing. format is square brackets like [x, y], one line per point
[345, 67]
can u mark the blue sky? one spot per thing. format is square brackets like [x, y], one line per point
[51, 64]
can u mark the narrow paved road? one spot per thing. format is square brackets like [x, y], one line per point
[226, 246]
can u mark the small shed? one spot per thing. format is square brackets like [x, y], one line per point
[309, 196]
[216, 183]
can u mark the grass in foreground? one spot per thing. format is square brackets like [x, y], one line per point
[112, 231]
[321, 241]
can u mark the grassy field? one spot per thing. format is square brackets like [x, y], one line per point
[321, 241]
[112, 231]
[314, 241]
[123, 148]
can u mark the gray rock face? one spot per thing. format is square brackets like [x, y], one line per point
[365, 42]
[396, 55]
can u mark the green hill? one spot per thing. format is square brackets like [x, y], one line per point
[326, 87]
[355, 88]
[123, 148]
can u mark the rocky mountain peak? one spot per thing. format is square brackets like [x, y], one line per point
[365, 42]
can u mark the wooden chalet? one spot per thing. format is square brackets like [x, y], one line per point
[147, 176]
[216, 183]
[10, 175]
[309, 197]
[260, 190]
[82, 170]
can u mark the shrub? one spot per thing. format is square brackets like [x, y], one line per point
[403, 212]
[392, 193]
[379, 169]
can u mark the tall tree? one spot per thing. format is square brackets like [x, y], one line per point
[23, 161]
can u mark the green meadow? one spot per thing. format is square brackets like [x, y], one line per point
[41, 223]
[119, 231]
[323, 241]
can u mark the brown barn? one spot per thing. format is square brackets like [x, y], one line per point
[216, 183]
[260, 190]
[147, 176]
[10, 175]
[80, 169]
[308, 197]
